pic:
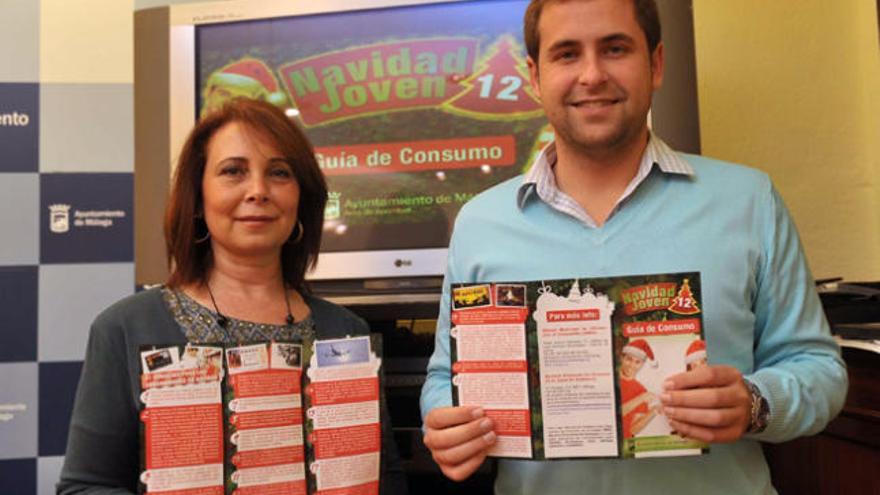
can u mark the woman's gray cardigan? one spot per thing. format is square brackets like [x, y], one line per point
[103, 443]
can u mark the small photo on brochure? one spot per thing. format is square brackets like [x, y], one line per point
[195, 356]
[343, 352]
[510, 295]
[160, 359]
[286, 356]
[474, 296]
[247, 358]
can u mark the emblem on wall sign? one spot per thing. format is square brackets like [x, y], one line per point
[59, 218]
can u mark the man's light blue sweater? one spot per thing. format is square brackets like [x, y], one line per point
[761, 311]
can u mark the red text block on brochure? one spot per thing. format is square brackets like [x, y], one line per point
[573, 315]
[344, 391]
[266, 419]
[512, 422]
[416, 156]
[371, 488]
[353, 440]
[669, 327]
[183, 435]
[264, 383]
[268, 457]
[179, 377]
[489, 316]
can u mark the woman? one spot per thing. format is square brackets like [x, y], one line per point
[242, 226]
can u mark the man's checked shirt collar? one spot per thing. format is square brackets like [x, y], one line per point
[540, 179]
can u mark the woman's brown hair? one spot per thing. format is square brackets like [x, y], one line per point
[189, 260]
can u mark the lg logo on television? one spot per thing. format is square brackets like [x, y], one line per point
[14, 119]
[399, 263]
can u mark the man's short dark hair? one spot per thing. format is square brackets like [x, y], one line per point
[646, 15]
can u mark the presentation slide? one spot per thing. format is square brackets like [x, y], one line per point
[412, 110]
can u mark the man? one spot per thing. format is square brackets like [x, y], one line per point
[695, 356]
[636, 403]
[609, 198]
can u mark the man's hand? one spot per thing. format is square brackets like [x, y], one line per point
[710, 403]
[459, 439]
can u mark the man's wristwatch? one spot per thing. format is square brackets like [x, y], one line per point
[760, 409]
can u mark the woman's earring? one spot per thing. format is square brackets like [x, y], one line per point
[299, 235]
[207, 232]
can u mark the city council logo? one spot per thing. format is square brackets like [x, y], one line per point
[59, 218]
[333, 210]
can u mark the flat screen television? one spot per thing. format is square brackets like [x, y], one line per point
[413, 108]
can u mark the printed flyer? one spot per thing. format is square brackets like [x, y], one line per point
[264, 419]
[275, 418]
[574, 368]
[342, 395]
[182, 420]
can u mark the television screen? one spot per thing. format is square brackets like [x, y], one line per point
[412, 109]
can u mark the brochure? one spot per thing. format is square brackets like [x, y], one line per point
[268, 418]
[574, 368]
